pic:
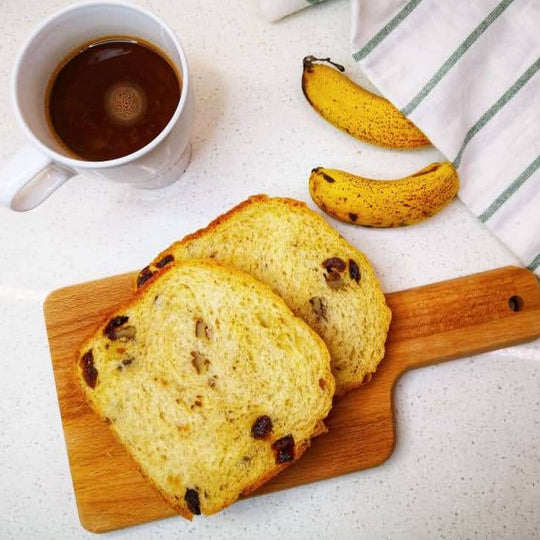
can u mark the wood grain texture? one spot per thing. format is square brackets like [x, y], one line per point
[430, 324]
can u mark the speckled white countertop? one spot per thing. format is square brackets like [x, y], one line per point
[467, 460]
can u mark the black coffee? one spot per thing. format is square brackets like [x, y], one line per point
[112, 98]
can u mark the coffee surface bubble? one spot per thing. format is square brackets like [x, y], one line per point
[125, 102]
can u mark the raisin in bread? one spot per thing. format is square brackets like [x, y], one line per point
[210, 382]
[321, 277]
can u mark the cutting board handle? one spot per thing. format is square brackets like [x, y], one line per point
[461, 317]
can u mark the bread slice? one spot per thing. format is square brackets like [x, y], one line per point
[321, 277]
[209, 381]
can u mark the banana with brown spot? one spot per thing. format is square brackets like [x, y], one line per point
[384, 203]
[355, 110]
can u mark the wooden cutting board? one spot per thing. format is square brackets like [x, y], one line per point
[430, 324]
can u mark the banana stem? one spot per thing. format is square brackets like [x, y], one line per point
[308, 61]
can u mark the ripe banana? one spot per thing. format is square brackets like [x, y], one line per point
[357, 111]
[384, 203]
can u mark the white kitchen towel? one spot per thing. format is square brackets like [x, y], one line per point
[467, 72]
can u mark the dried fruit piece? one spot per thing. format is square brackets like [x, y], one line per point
[334, 263]
[192, 500]
[165, 261]
[89, 371]
[262, 427]
[334, 266]
[144, 275]
[354, 270]
[284, 449]
[113, 325]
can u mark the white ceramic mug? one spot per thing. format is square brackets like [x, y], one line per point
[42, 165]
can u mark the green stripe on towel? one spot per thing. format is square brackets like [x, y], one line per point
[496, 107]
[535, 263]
[386, 30]
[510, 190]
[456, 55]
[314, 1]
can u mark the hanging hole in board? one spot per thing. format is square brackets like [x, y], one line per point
[515, 303]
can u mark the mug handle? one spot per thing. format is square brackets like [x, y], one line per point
[28, 178]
